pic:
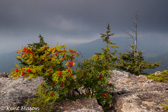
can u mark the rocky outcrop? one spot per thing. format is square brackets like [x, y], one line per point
[132, 94]
[4, 74]
[137, 93]
[14, 93]
[80, 105]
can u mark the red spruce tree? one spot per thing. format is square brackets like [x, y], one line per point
[133, 61]
[92, 74]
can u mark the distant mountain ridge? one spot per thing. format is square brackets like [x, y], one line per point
[163, 58]
[7, 61]
[153, 53]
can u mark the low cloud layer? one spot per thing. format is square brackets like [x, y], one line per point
[75, 21]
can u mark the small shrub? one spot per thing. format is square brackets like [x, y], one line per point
[54, 64]
[161, 77]
[165, 106]
[41, 102]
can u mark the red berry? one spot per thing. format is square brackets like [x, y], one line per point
[17, 70]
[71, 73]
[63, 50]
[105, 95]
[51, 94]
[28, 70]
[100, 76]
[46, 93]
[23, 73]
[70, 64]
[72, 57]
[88, 93]
[72, 51]
[36, 72]
[59, 73]
[84, 72]
[42, 85]
[62, 83]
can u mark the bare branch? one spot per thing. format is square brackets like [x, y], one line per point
[130, 35]
[134, 38]
[136, 34]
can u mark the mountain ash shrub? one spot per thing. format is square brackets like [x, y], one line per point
[54, 64]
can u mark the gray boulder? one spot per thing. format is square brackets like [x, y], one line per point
[80, 105]
[137, 93]
[16, 92]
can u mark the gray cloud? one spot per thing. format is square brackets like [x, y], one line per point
[77, 21]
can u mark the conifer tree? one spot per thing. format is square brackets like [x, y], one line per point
[35, 47]
[93, 72]
[109, 56]
[133, 61]
[106, 59]
[38, 45]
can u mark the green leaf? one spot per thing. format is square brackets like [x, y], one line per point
[31, 76]
[99, 82]
[17, 65]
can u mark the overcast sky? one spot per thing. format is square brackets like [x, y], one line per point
[78, 21]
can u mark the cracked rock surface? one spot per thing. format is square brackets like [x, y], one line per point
[16, 92]
[137, 93]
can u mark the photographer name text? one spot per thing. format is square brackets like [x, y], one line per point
[18, 108]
